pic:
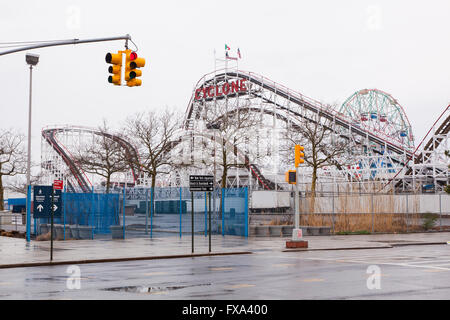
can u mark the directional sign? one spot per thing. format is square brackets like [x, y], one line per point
[42, 200]
[201, 183]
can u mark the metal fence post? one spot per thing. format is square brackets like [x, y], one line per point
[123, 211]
[192, 220]
[440, 211]
[332, 213]
[373, 213]
[223, 211]
[152, 195]
[146, 211]
[246, 212]
[206, 214]
[63, 198]
[181, 208]
[407, 213]
[209, 214]
[92, 212]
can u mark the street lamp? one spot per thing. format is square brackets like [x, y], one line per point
[32, 60]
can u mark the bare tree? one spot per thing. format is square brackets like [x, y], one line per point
[19, 183]
[234, 128]
[322, 146]
[153, 134]
[12, 158]
[104, 156]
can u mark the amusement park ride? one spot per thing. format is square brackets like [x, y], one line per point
[371, 122]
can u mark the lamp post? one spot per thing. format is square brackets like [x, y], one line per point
[32, 60]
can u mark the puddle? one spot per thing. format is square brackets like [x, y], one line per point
[151, 290]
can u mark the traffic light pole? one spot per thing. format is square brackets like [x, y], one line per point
[65, 42]
[297, 241]
[297, 200]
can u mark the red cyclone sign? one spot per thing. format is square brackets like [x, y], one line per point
[221, 90]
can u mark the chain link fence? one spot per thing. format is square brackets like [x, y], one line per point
[148, 212]
[360, 213]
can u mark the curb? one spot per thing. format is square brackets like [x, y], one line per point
[57, 263]
[336, 249]
[416, 244]
[391, 245]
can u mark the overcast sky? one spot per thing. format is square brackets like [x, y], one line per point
[325, 49]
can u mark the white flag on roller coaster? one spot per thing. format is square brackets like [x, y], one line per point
[230, 58]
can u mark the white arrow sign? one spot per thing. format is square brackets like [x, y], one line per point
[55, 207]
[40, 207]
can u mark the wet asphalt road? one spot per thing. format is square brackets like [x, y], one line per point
[410, 272]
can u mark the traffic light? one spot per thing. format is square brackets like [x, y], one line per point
[131, 71]
[291, 176]
[299, 155]
[116, 60]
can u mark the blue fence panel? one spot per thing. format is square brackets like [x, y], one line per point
[92, 209]
[234, 212]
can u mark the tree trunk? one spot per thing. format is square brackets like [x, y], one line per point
[108, 182]
[1, 194]
[313, 190]
[152, 198]
[224, 177]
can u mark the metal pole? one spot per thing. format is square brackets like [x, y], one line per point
[214, 184]
[332, 214]
[297, 200]
[29, 159]
[64, 211]
[407, 213]
[29, 214]
[209, 212]
[440, 212]
[51, 227]
[206, 212]
[152, 195]
[192, 221]
[123, 211]
[246, 212]
[146, 211]
[64, 42]
[181, 209]
[223, 211]
[93, 222]
[371, 205]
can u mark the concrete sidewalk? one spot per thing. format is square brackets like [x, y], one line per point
[17, 252]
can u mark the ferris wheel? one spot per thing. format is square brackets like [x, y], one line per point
[378, 112]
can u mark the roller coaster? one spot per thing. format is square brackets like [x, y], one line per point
[372, 123]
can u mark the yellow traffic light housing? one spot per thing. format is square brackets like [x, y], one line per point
[299, 155]
[131, 71]
[291, 176]
[116, 60]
